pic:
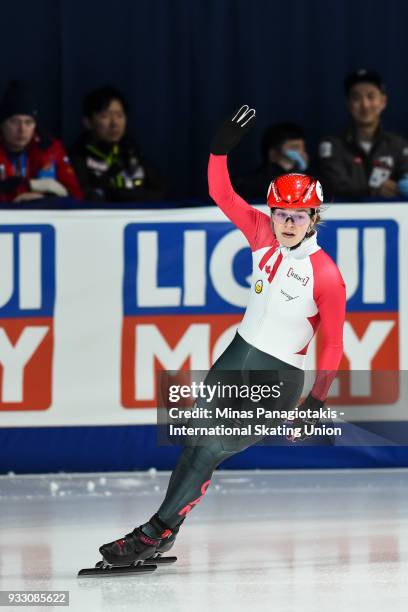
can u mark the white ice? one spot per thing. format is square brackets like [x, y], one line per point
[276, 540]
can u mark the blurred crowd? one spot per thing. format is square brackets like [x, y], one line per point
[106, 165]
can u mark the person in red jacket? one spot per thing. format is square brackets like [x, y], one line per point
[32, 166]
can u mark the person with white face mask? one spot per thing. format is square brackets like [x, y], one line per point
[283, 150]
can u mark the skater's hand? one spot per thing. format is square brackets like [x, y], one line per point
[231, 132]
[303, 427]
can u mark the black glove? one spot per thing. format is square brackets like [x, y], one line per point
[231, 132]
[311, 404]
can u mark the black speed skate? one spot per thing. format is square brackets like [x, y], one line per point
[125, 556]
[165, 545]
[133, 554]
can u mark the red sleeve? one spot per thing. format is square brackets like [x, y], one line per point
[65, 172]
[330, 296]
[10, 185]
[254, 224]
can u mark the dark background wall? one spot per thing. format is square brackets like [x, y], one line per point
[185, 64]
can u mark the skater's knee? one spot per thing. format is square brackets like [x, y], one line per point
[206, 455]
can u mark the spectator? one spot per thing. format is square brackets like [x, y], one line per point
[365, 160]
[283, 151]
[32, 166]
[105, 157]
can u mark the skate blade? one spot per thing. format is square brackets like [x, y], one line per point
[160, 560]
[117, 570]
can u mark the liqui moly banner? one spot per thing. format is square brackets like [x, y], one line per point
[93, 305]
[27, 299]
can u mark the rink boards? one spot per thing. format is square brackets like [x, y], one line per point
[94, 303]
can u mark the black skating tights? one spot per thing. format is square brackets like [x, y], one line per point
[241, 363]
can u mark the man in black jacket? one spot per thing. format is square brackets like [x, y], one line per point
[365, 161]
[107, 162]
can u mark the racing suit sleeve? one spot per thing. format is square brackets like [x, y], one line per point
[249, 220]
[330, 297]
[335, 176]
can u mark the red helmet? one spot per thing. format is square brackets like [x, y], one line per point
[295, 191]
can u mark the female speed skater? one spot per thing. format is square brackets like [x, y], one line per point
[295, 288]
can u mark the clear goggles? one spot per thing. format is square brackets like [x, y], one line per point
[298, 218]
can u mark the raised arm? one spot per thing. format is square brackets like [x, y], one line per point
[246, 218]
[234, 207]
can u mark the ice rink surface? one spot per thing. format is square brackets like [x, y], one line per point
[282, 541]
